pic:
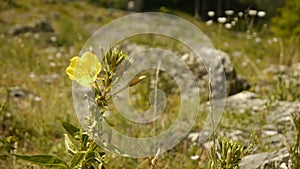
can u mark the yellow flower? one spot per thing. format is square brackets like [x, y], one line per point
[84, 69]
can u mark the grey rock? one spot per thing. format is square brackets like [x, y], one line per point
[253, 161]
[131, 48]
[236, 135]
[278, 112]
[273, 141]
[235, 82]
[273, 159]
[245, 101]
[42, 25]
[20, 98]
[19, 93]
[275, 134]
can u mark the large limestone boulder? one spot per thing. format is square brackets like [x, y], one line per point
[235, 83]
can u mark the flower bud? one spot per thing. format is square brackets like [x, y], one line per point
[136, 80]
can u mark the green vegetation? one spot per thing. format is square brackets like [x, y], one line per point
[225, 153]
[286, 24]
[295, 147]
[35, 93]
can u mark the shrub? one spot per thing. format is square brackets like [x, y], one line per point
[287, 22]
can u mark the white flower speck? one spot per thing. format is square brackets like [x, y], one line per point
[228, 26]
[261, 14]
[275, 40]
[240, 14]
[222, 19]
[283, 166]
[58, 55]
[252, 12]
[237, 54]
[211, 13]
[257, 39]
[226, 44]
[32, 75]
[233, 23]
[37, 99]
[229, 12]
[209, 22]
[258, 60]
[52, 64]
[53, 38]
[36, 36]
[244, 64]
[195, 157]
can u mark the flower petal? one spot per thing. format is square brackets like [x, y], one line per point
[84, 69]
[71, 68]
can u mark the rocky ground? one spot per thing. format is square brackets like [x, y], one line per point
[276, 129]
[276, 133]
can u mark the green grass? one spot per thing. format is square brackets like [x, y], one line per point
[36, 124]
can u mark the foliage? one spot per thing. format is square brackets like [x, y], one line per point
[226, 153]
[287, 23]
[89, 72]
[294, 149]
[86, 155]
[286, 88]
[7, 145]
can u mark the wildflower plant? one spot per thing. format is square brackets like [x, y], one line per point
[99, 76]
[226, 153]
[100, 85]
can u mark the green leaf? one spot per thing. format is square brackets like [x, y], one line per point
[94, 158]
[72, 130]
[92, 155]
[72, 149]
[77, 159]
[84, 141]
[45, 160]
